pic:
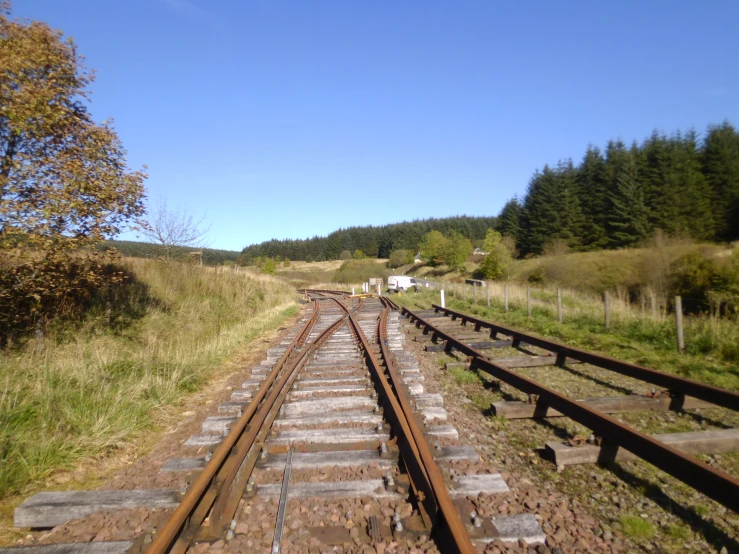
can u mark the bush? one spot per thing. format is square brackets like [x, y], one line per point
[400, 257]
[269, 266]
[37, 287]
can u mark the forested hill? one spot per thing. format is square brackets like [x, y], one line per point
[376, 242]
[683, 184]
[135, 249]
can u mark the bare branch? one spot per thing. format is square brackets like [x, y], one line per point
[175, 230]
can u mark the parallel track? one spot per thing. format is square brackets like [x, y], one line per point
[712, 482]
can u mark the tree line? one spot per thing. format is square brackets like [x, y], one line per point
[136, 249]
[375, 242]
[680, 184]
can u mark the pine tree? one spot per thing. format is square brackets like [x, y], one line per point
[551, 209]
[509, 219]
[628, 219]
[592, 193]
[720, 161]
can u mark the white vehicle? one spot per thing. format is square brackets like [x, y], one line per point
[397, 283]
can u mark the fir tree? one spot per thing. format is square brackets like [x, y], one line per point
[509, 219]
[628, 220]
[592, 193]
[720, 163]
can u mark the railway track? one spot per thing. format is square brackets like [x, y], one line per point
[446, 329]
[330, 443]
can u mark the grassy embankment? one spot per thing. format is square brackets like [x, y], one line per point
[90, 389]
[712, 344]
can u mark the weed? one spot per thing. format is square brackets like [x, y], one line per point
[678, 532]
[464, 376]
[700, 509]
[636, 527]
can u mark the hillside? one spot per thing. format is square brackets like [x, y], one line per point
[375, 242]
[135, 249]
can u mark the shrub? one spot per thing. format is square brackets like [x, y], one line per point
[38, 287]
[400, 257]
[269, 266]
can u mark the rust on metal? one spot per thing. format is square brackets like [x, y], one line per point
[696, 389]
[425, 475]
[712, 482]
[217, 489]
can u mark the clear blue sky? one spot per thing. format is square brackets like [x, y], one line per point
[290, 119]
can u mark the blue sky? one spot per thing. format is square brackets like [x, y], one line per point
[291, 119]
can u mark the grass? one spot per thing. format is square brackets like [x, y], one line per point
[636, 527]
[711, 344]
[464, 376]
[87, 391]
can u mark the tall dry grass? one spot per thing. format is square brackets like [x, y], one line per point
[85, 390]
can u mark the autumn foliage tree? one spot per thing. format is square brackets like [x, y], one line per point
[64, 182]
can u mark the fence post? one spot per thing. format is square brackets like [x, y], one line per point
[528, 301]
[560, 315]
[443, 304]
[679, 324]
[487, 288]
[474, 293]
[505, 297]
[607, 309]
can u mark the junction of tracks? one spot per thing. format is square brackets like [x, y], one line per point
[332, 443]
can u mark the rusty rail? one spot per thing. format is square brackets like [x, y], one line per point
[219, 486]
[712, 482]
[681, 385]
[426, 479]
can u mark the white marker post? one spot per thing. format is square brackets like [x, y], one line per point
[352, 291]
[443, 304]
[378, 290]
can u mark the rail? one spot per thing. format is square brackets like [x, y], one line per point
[714, 395]
[216, 491]
[712, 482]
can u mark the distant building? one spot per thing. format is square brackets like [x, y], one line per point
[417, 259]
[479, 252]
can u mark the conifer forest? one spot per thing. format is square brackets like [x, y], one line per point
[683, 184]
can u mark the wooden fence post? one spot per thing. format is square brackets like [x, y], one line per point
[505, 297]
[560, 315]
[679, 324]
[528, 301]
[607, 309]
[487, 286]
[474, 293]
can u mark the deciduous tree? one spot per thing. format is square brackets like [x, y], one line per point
[433, 247]
[498, 259]
[64, 182]
[456, 250]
